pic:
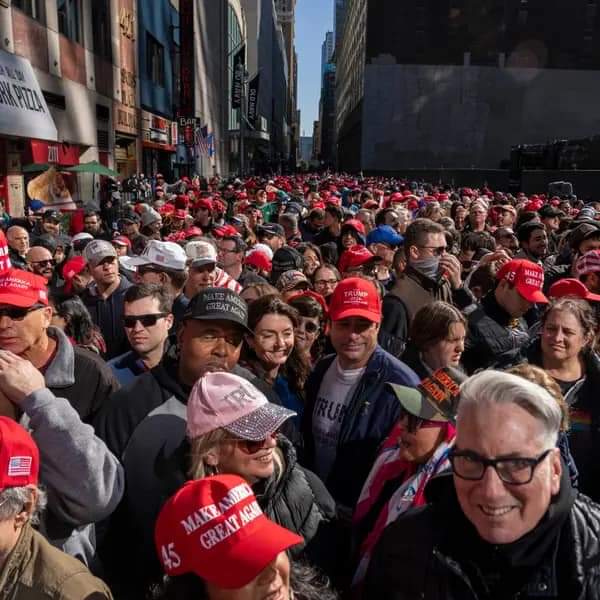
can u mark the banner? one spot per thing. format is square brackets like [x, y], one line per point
[23, 108]
[253, 88]
[186, 56]
[237, 81]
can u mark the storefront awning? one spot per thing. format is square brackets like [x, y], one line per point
[23, 108]
[64, 155]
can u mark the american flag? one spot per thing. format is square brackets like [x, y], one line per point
[19, 465]
[201, 140]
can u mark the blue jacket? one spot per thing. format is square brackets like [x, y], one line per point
[371, 413]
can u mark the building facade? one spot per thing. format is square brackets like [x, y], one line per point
[449, 84]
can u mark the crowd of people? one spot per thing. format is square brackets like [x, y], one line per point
[293, 389]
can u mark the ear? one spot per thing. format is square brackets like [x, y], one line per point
[249, 339]
[555, 471]
[413, 252]
[47, 316]
[169, 320]
[28, 508]
[212, 457]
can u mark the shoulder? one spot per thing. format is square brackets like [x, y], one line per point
[89, 360]
[392, 368]
[61, 576]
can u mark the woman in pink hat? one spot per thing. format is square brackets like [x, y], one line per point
[233, 429]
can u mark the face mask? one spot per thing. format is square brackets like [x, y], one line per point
[428, 266]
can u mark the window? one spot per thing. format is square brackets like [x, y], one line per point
[102, 35]
[69, 19]
[33, 8]
[155, 61]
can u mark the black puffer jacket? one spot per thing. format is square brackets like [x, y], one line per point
[409, 563]
[298, 500]
[494, 339]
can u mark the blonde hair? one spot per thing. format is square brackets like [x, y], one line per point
[541, 377]
[203, 444]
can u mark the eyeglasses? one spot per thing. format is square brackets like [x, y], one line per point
[226, 251]
[252, 447]
[413, 423]
[43, 263]
[145, 320]
[514, 471]
[436, 250]
[18, 313]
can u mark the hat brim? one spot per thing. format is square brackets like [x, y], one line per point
[593, 297]
[248, 557]
[200, 262]
[139, 261]
[374, 317]
[261, 422]
[18, 300]
[535, 296]
[416, 403]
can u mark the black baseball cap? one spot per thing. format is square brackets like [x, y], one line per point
[51, 215]
[583, 232]
[548, 211]
[285, 259]
[271, 229]
[218, 304]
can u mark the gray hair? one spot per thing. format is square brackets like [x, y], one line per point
[14, 499]
[495, 387]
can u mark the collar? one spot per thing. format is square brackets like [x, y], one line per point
[495, 311]
[424, 281]
[15, 564]
[60, 372]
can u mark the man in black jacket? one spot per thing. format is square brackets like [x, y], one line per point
[144, 425]
[508, 524]
[497, 331]
[104, 297]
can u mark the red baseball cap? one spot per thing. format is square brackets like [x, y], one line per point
[356, 256]
[572, 287]
[22, 288]
[213, 527]
[355, 224]
[70, 268]
[225, 231]
[180, 213]
[204, 203]
[19, 456]
[355, 297]
[526, 276]
[5, 263]
[259, 260]
[192, 232]
[121, 240]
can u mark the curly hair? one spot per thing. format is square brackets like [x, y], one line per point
[581, 310]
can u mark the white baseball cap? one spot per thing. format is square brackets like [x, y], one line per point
[167, 255]
[200, 253]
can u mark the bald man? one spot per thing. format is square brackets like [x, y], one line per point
[41, 262]
[18, 246]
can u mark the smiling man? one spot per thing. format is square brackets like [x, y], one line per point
[508, 524]
[350, 408]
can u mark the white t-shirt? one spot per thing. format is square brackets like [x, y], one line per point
[334, 395]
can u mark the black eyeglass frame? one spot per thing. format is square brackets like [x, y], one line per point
[148, 320]
[531, 463]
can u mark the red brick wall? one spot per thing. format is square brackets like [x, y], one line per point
[31, 39]
[72, 60]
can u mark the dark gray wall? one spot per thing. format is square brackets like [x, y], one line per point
[419, 116]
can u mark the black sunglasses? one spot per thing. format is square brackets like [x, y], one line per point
[252, 447]
[145, 320]
[48, 262]
[311, 327]
[18, 313]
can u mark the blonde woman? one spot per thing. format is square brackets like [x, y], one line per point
[233, 429]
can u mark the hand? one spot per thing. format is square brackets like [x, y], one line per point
[18, 377]
[450, 267]
[500, 257]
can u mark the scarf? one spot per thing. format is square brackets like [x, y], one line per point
[411, 492]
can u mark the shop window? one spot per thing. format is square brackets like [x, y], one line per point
[36, 9]
[69, 19]
[102, 33]
[155, 61]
